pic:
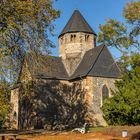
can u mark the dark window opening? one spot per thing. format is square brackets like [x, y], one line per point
[86, 37]
[73, 38]
[105, 93]
[15, 114]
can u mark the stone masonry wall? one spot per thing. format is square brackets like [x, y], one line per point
[93, 86]
[25, 77]
[47, 99]
[77, 44]
[73, 47]
[15, 108]
[52, 105]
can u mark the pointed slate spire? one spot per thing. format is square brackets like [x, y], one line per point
[77, 23]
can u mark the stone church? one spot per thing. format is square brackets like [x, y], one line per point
[68, 90]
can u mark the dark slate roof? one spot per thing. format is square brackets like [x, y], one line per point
[46, 67]
[105, 66]
[96, 62]
[87, 63]
[77, 23]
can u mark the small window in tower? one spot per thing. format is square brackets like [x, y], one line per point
[74, 38]
[71, 38]
[86, 38]
[105, 93]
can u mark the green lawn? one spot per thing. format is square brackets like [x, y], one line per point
[96, 129]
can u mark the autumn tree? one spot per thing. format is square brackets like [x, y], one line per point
[24, 27]
[123, 108]
[4, 102]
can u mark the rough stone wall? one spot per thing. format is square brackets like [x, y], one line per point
[25, 77]
[52, 104]
[93, 97]
[72, 48]
[15, 108]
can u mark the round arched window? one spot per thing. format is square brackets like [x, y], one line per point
[105, 93]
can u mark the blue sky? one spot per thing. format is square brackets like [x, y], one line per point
[94, 11]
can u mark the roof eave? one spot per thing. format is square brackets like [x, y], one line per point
[77, 32]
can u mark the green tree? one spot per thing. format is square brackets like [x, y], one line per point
[123, 108]
[123, 35]
[24, 27]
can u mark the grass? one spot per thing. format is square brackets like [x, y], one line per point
[96, 129]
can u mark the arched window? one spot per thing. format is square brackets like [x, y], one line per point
[105, 93]
[86, 38]
[73, 38]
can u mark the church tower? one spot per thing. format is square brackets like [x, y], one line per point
[76, 38]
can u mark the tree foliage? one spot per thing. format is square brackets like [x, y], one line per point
[123, 35]
[4, 102]
[131, 12]
[115, 33]
[123, 108]
[24, 27]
